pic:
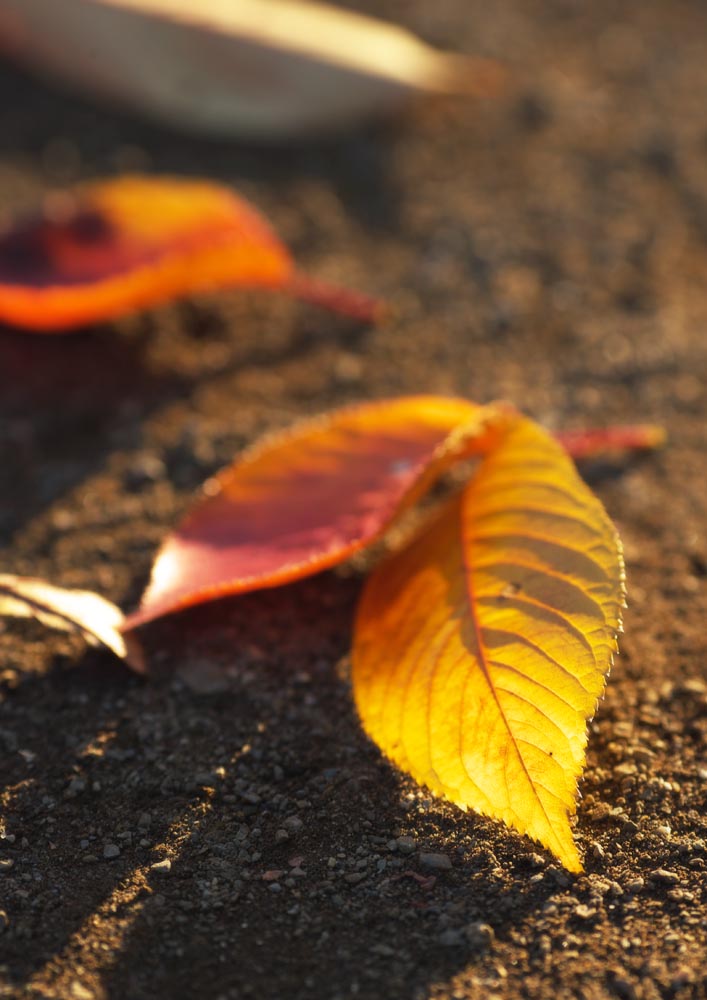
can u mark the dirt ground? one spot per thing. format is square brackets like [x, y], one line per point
[550, 248]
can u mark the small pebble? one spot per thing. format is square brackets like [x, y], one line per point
[163, 867]
[293, 824]
[450, 938]
[383, 949]
[479, 935]
[625, 770]
[281, 836]
[111, 851]
[144, 469]
[680, 896]
[691, 685]
[4, 921]
[203, 677]
[75, 787]
[406, 845]
[623, 988]
[666, 877]
[682, 978]
[436, 862]
[6, 864]
[559, 877]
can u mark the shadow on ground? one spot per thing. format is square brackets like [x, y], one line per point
[263, 773]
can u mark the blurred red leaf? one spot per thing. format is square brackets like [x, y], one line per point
[112, 247]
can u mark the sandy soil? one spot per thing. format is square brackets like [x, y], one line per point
[549, 248]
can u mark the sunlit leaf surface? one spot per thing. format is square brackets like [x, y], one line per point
[482, 648]
[306, 499]
[113, 247]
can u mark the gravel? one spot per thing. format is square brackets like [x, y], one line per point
[436, 862]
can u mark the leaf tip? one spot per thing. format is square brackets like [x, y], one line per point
[134, 656]
[573, 864]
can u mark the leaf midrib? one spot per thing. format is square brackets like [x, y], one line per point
[466, 543]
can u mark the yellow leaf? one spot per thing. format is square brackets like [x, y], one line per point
[482, 648]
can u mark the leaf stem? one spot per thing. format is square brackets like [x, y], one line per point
[355, 305]
[595, 442]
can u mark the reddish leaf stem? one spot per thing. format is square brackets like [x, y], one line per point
[598, 442]
[349, 303]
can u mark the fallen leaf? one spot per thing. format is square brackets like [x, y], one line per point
[308, 498]
[94, 617]
[258, 68]
[481, 649]
[112, 247]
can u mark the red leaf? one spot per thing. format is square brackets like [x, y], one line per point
[306, 499]
[109, 248]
